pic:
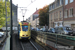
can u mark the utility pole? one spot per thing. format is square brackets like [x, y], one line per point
[6, 15]
[11, 31]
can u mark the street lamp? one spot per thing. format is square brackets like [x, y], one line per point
[23, 18]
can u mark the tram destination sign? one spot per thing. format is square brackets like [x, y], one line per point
[25, 23]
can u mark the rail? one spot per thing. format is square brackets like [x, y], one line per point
[30, 45]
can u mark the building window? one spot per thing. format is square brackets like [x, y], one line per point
[50, 7]
[51, 17]
[58, 3]
[66, 13]
[61, 2]
[71, 12]
[57, 15]
[54, 16]
[71, 1]
[53, 6]
[60, 14]
[66, 2]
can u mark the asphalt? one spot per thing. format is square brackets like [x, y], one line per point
[17, 45]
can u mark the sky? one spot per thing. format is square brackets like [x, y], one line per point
[31, 6]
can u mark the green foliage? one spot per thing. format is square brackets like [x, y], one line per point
[44, 16]
[3, 13]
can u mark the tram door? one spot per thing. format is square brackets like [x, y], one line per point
[73, 26]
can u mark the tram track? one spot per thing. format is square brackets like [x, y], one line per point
[33, 45]
[28, 45]
[25, 44]
[22, 46]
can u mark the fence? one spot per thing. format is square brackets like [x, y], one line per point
[64, 40]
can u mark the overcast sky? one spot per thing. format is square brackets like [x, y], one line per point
[31, 7]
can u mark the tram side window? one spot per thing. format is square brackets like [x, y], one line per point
[25, 28]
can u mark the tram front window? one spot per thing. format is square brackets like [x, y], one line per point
[25, 28]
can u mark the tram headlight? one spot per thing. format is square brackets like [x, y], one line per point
[22, 35]
[26, 35]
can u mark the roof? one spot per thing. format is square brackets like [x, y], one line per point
[36, 12]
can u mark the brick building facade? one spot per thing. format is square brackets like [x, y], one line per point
[69, 13]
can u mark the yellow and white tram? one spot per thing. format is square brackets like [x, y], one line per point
[24, 31]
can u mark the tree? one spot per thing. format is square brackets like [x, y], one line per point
[3, 14]
[44, 16]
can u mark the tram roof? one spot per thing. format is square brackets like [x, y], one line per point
[22, 22]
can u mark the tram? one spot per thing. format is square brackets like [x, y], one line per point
[24, 31]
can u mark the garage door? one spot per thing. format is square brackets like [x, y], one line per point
[73, 26]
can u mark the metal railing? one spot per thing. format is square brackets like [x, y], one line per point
[65, 40]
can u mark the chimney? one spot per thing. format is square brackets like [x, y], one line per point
[36, 9]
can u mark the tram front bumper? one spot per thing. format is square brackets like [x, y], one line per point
[25, 37]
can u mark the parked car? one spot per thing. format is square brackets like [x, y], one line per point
[41, 29]
[44, 30]
[1, 30]
[64, 30]
[73, 33]
[52, 30]
[37, 29]
[1, 34]
[32, 28]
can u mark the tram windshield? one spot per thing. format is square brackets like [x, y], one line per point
[25, 28]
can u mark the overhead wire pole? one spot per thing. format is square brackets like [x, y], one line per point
[11, 31]
[23, 14]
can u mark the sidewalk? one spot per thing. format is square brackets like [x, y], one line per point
[7, 43]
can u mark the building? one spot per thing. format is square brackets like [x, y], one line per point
[69, 13]
[56, 14]
[15, 18]
[28, 20]
[34, 19]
